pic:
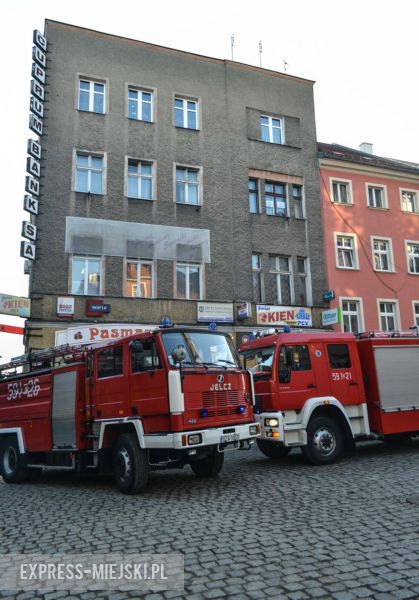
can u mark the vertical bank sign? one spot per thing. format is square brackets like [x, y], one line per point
[33, 161]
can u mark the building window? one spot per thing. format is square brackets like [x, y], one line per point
[413, 257]
[376, 197]
[410, 201]
[271, 130]
[139, 279]
[341, 192]
[346, 255]
[86, 276]
[89, 173]
[297, 196]
[253, 196]
[140, 179]
[302, 291]
[275, 199]
[382, 254]
[281, 279]
[416, 313]
[188, 281]
[186, 113]
[187, 185]
[257, 277]
[91, 96]
[140, 105]
[351, 315]
[388, 315]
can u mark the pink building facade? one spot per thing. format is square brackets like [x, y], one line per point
[371, 231]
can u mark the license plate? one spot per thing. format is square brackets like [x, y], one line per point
[229, 437]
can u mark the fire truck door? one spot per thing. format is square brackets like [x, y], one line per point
[64, 410]
[110, 393]
[148, 380]
[344, 373]
[296, 377]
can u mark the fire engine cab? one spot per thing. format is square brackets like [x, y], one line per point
[166, 398]
[321, 390]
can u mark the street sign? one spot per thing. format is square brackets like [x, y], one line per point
[329, 295]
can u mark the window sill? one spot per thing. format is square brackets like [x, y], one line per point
[89, 193]
[351, 204]
[383, 208]
[179, 127]
[140, 120]
[348, 268]
[385, 271]
[410, 212]
[141, 199]
[188, 204]
[91, 112]
[412, 273]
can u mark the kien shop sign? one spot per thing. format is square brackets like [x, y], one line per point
[295, 316]
[33, 161]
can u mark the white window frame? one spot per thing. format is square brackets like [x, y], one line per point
[271, 127]
[257, 192]
[200, 184]
[139, 262]
[416, 201]
[259, 273]
[140, 90]
[407, 242]
[90, 154]
[309, 292]
[87, 257]
[277, 272]
[347, 182]
[302, 198]
[415, 314]
[397, 323]
[360, 314]
[153, 178]
[389, 242]
[92, 80]
[182, 263]
[354, 248]
[383, 189]
[185, 100]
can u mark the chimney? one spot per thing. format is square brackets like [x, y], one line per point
[366, 147]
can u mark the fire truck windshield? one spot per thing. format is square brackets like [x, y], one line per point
[201, 349]
[259, 360]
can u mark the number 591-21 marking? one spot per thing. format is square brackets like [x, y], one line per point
[342, 376]
[27, 389]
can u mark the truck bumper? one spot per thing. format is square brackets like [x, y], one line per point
[230, 437]
[271, 432]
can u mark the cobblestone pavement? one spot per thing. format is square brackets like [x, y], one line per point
[262, 529]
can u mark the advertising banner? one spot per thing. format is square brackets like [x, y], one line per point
[15, 305]
[295, 316]
[219, 312]
[88, 334]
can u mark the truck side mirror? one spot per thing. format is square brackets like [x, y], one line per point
[178, 354]
[137, 346]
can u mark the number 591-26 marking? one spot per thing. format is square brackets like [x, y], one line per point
[27, 389]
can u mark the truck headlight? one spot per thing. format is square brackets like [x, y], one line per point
[254, 429]
[271, 423]
[194, 439]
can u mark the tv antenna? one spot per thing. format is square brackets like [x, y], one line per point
[285, 64]
[232, 47]
[260, 53]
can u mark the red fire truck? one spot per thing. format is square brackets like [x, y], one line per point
[159, 399]
[321, 391]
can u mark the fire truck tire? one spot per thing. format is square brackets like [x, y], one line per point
[13, 467]
[325, 441]
[209, 466]
[272, 449]
[130, 464]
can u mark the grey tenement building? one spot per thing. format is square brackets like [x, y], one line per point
[172, 182]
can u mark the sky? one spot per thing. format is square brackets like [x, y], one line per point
[361, 54]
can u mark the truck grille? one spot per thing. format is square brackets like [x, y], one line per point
[222, 402]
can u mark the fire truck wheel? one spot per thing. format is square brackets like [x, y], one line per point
[130, 464]
[209, 466]
[324, 441]
[272, 449]
[12, 464]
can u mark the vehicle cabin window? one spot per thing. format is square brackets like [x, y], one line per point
[339, 356]
[297, 358]
[145, 359]
[259, 361]
[109, 362]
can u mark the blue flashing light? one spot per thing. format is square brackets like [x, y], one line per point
[242, 409]
[212, 326]
[204, 413]
[165, 322]
[287, 329]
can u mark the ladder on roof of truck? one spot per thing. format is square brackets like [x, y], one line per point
[409, 333]
[45, 358]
